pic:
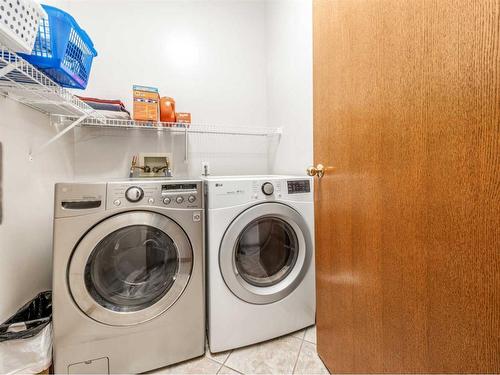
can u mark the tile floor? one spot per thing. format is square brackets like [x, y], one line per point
[292, 354]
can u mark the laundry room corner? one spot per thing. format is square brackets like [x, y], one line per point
[235, 78]
[238, 78]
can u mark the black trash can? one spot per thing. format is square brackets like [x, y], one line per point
[26, 337]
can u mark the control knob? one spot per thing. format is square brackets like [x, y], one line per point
[267, 188]
[179, 200]
[134, 194]
[191, 198]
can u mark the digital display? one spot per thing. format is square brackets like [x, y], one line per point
[297, 187]
[179, 187]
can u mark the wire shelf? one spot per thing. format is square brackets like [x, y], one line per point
[21, 81]
[174, 127]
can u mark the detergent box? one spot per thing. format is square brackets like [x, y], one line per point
[146, 103]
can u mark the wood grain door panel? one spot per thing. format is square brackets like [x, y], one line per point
[407, 110]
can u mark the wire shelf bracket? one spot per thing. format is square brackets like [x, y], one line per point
[40, 148]
[7, 69]
[22, 82]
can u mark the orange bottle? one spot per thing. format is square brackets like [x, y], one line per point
[167, 109]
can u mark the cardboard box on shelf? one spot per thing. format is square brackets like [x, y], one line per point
[146, 101]
[183, 117]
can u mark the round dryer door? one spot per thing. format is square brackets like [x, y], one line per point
[130, 268]
[265, 253]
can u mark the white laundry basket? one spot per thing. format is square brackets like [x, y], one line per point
[19, 20]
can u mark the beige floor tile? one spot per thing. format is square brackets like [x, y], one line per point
[273, 357]
[228, 371]
[201, 365]
[309, 361]
[311, 334]
[217, 357]
[299, 334]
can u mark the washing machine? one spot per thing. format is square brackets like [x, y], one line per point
[260, 258]
[128, 275]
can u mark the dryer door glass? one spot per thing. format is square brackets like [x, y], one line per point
[132, 268]
[266, 251]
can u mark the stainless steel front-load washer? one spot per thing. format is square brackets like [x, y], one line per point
[128, 289]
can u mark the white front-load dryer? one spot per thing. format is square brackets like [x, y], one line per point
[260, 258]
[128, 279]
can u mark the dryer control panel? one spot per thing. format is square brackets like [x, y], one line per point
[167, 194]
[299, 186]
[234, 191]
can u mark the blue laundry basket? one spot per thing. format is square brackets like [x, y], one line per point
[62, 49]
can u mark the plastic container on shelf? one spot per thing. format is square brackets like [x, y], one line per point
[19, 21]
[62, 49]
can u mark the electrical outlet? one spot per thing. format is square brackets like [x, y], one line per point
[205, 168]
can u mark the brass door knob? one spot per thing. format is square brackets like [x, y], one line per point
[319, 170]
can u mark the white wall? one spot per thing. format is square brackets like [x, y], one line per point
[107, 153]
[26, 230]
[289, 86]
[209, 55]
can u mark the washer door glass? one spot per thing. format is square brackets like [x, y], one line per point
[266, 251]
[132, 268]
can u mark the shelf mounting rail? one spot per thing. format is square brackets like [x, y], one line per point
[22, 82]
[175, 128]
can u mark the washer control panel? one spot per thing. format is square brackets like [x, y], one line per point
[134, 194]
[171, 194]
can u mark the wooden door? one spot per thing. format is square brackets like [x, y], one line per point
[407, 118]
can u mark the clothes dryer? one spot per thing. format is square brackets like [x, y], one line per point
[260, 258]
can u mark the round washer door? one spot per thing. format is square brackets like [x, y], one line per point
[130, 268]
[265, 253]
